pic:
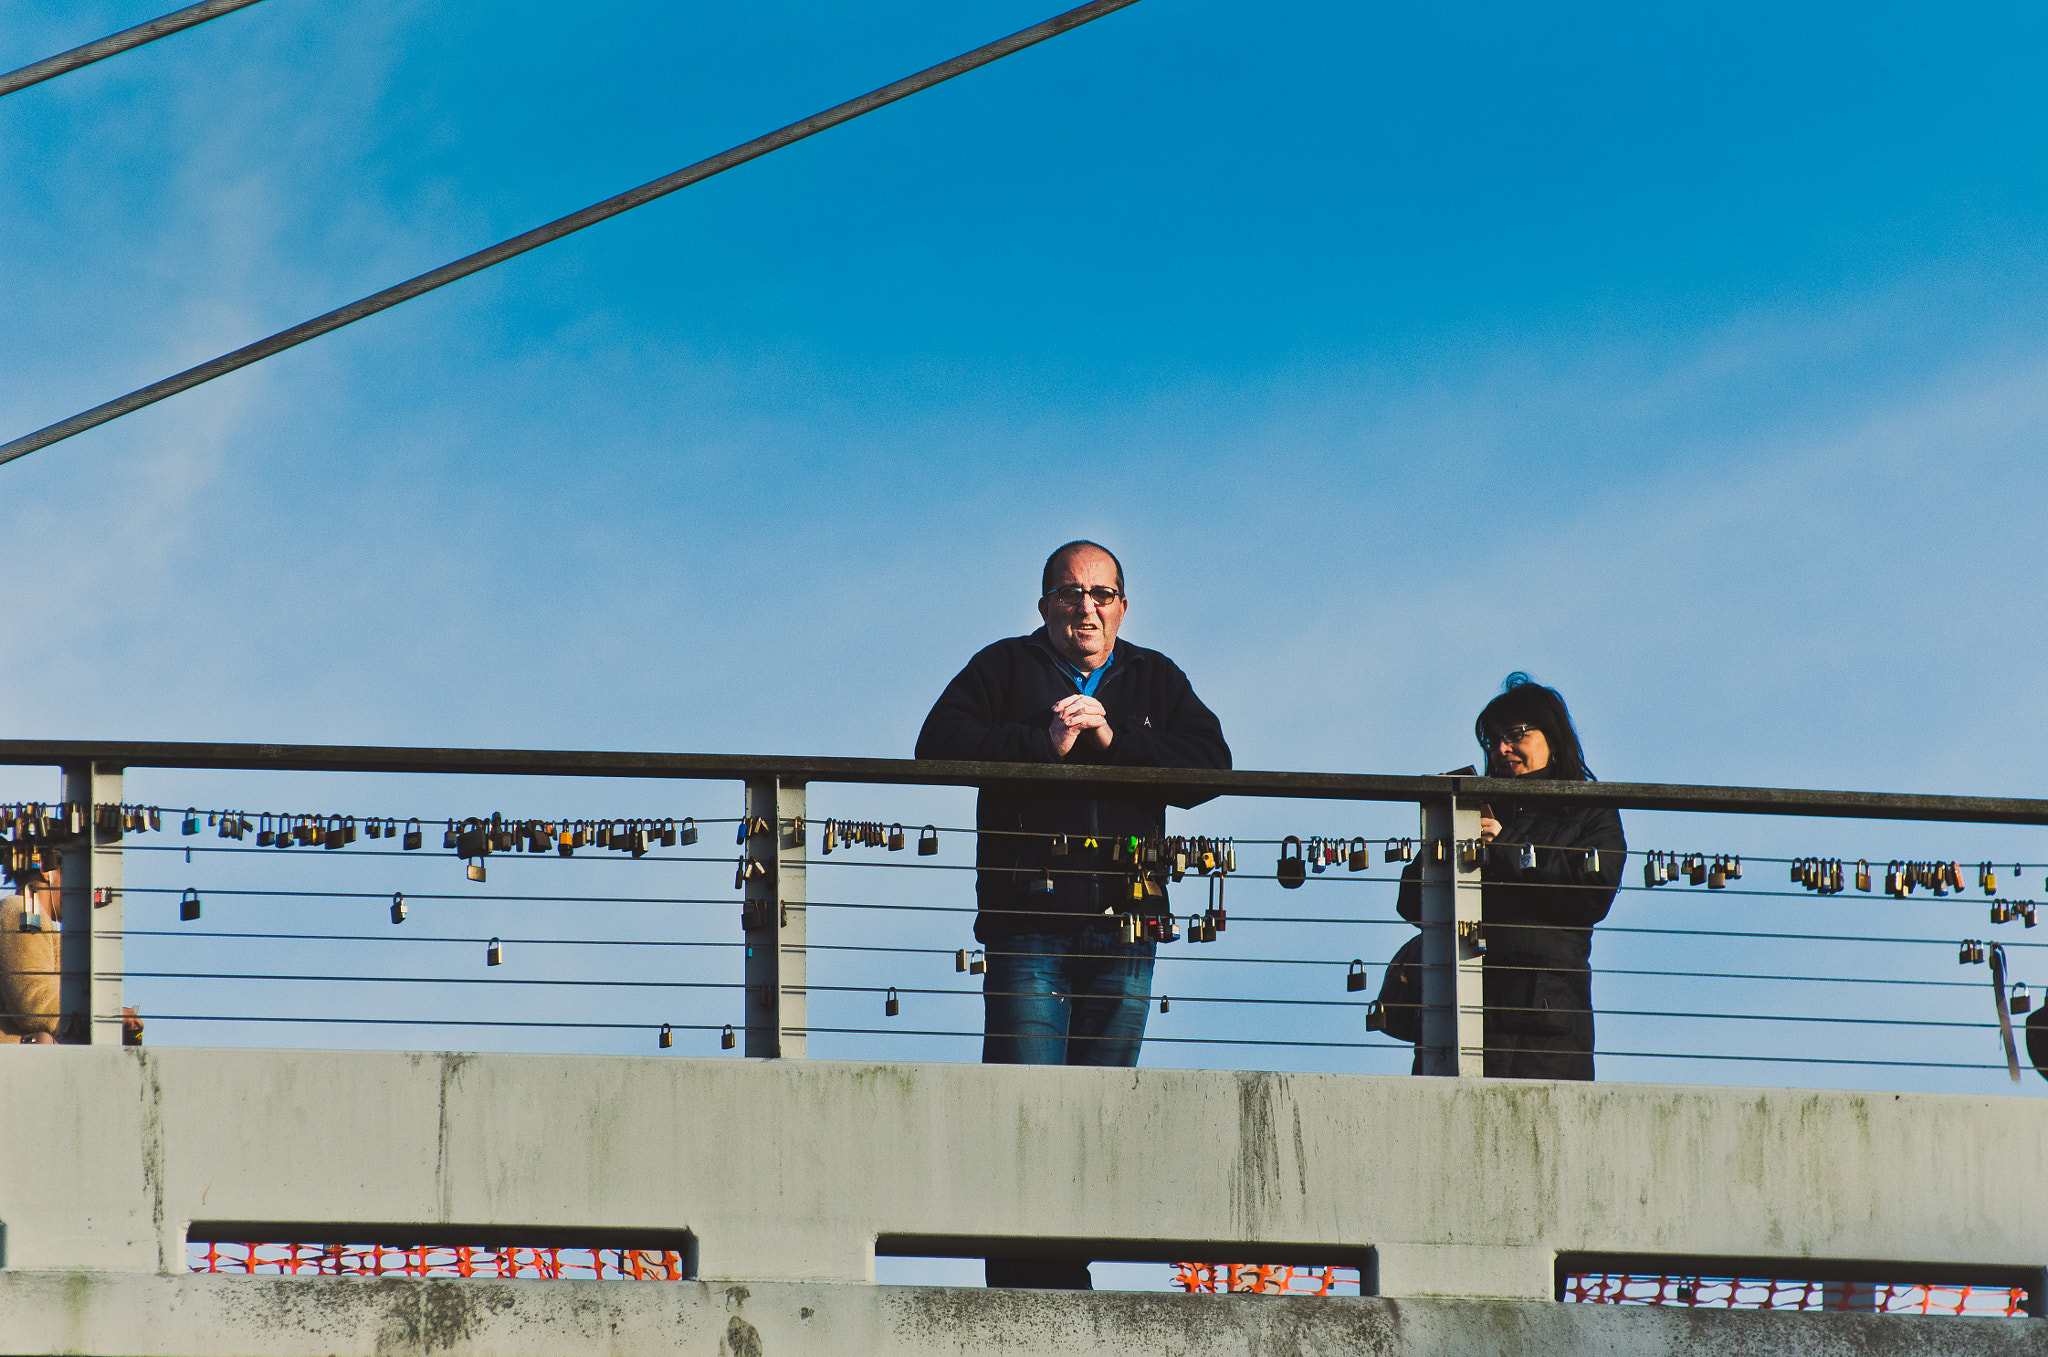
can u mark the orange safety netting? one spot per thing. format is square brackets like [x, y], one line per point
[432, 1260]
[1264, 1278]
[1748, 1293]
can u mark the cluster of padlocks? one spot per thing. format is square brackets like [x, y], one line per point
[870, 834]
[1320, 854]
[476, 838]
[1694, 869]
[1972, 952]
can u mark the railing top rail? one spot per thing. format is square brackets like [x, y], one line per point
[1173, 783]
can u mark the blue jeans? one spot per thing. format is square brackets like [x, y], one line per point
[1075, 998]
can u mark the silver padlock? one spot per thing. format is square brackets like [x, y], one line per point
[1528, 859]
[397, 908]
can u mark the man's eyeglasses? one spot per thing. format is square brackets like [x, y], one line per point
[1512, 735]
[1070, 595]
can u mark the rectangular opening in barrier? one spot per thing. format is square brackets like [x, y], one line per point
[382, 1249]
[1845, 1286]
[1191, 1266]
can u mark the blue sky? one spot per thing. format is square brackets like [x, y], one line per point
[1689, 358]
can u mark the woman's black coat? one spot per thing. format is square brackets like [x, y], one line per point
[1539, 938]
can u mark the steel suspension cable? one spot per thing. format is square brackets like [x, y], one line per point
[555, 230]
[115, 43]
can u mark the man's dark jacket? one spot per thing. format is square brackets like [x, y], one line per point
[1539, 935]
[999, 709]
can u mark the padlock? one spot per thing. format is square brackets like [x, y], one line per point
[102, 896]
[666, 1039]
[156, 821]
[1126, 929]
[1862, 875]
[1137, 888]
[469, 842]
[1291, 871]
[1472, 933]
[977, 963]
[1963, 953]
[374, 828]
[229, 825]
[636, 842]
[1527, 860]
[191, 825]
[668, 833]
[2027, 913]
[333, 833]
[306, 831]
[397, 907]
[1318, 854]
[494, 954]
[960, 961]
[928, 842]
[1169, 928]
[890, 1006]
[1999, 912]
[726, 1040]
[264, 836]
[1164, 1006]
[1042, 886]
[448, 835]
[895, 838]
[1359, 858]
[1990, 880]
[1059, 847]
[413, 837]
[1717, 879]
[1592, 862]
[1230, 855]
[188, 905]
[1732, 869]
[2020, 1001]
[476, 870]
[1375, 1017]
[348, 830]
[1354, 979]
[686, 834]
[1468, 855]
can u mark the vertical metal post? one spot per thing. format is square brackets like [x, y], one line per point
[1453, 983]
[90, 987]
[774, 918]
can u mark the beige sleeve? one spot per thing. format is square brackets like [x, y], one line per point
[29, 992]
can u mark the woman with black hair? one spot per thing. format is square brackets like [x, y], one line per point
[1542, 891]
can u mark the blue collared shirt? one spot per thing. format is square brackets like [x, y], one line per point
[1085, 681]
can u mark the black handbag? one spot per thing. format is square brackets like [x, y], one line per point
[1398, 1010]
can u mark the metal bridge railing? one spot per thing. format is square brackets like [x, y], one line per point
[424, 915]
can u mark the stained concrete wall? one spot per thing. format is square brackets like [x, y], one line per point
[788, 1171]
[294, 1317]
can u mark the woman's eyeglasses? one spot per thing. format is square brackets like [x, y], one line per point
[1070, 595]
[1513, 735]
